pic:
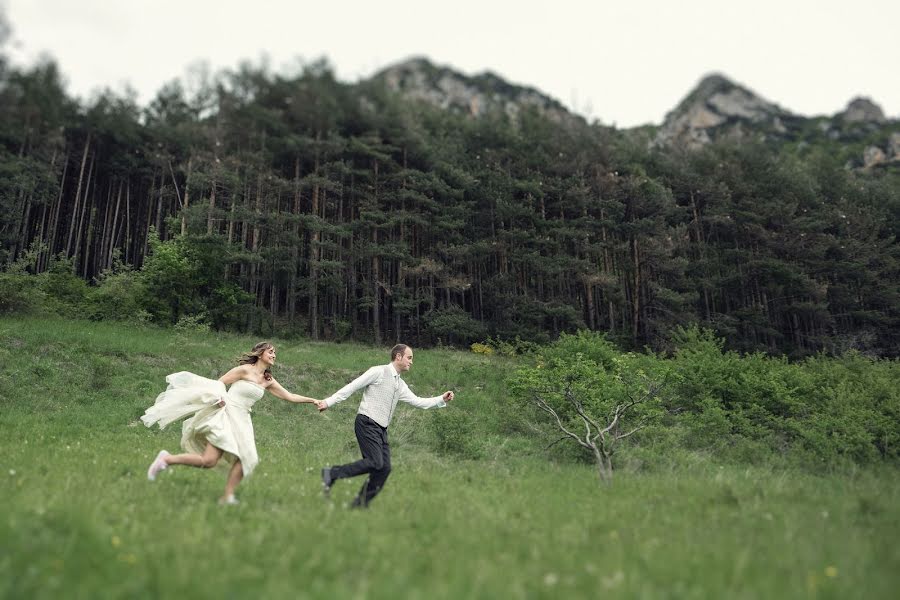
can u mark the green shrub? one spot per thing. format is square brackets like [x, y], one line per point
[454, 326]
[455, 433]
[20, 294]
[66, 294]
[118, 296]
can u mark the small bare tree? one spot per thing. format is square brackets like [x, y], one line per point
[598, 437]
[593, 404]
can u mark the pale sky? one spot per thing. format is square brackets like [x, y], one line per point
[625, 63]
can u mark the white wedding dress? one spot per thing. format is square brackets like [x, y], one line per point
[228, 428]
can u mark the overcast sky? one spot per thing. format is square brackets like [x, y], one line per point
[626, 62]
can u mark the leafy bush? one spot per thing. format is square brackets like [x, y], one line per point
[822, 411]
[20, 293]
[119, 296]
[516, 347]
[479, 348]
[454, 326]
[455, 434]
[169, 277]
[227, 305]
[591, 394]
[66, 294]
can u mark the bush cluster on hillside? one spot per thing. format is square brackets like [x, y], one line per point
[822, 412]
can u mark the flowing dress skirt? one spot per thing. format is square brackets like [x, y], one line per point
[228, 428]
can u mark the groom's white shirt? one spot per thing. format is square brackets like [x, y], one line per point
[382, 388]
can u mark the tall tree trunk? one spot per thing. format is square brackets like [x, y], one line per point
[84, 202]
[84, 155]
[636, 295]
[113, 229]
[21, 231]
[106, 227]
[149, 216]
[159, 205]
[295, 246]
[128, 221]
[182, 201]
[212, 204]
[376, 274]
[54, 215]
[314, 260]
[88, 243]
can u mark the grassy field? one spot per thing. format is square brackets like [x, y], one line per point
[80, 520]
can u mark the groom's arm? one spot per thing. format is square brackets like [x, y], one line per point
[407, 396]
[364, 380]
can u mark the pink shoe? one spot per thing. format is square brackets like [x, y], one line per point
[158, 464]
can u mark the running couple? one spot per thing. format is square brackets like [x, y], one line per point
[219, 426]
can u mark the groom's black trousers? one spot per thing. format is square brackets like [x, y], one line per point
[376, 459]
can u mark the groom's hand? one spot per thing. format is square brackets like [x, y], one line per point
[448, 396]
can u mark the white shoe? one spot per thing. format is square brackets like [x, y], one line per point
[228, 500]
[158, 464]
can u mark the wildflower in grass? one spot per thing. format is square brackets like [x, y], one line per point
[115, 541]
[831, 571]
[613, 580]
[551, 579]
[812, 582]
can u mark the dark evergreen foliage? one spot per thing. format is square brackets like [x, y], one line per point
[344, 210]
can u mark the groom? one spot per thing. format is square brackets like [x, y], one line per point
[382, 388]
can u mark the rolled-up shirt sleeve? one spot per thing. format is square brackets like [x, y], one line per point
[366, 379]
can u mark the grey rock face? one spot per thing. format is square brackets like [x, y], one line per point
[718, 107]
[873, 156]
[863, 110]
[476, 96]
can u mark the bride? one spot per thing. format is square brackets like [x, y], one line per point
[219, 426]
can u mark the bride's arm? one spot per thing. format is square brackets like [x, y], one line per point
[280, 392]
[239, 372]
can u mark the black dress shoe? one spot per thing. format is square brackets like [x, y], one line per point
[327, 480]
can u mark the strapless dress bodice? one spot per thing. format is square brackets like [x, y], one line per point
[245, 393]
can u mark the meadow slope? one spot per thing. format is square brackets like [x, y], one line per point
[80, 520]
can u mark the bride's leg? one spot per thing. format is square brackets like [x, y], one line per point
[234, 478]
[207, 460]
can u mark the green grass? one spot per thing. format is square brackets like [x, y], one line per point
[80, 520]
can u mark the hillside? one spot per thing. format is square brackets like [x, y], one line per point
[440, 208]
[80, 518]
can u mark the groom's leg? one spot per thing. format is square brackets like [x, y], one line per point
[377, 477]
[370, 436]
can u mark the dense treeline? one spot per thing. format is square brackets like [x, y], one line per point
[335, 210]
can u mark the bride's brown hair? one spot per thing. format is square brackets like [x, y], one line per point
[251, 358]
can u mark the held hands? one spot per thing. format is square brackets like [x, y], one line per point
[448, 396]
[221, 402]
[321, 405]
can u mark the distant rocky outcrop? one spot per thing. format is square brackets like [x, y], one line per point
[419, 79]
[862, 110]
[718, 107]
[875, 156]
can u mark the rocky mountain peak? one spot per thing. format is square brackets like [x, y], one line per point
[717, 106]
[486, 93]
[862, 110]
